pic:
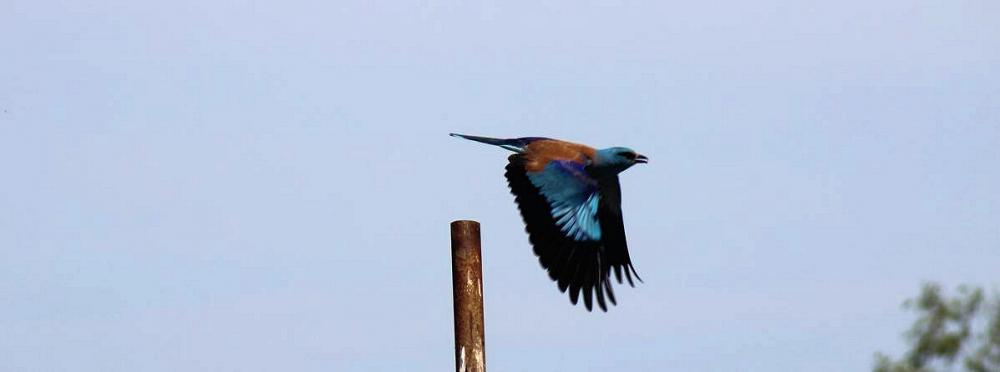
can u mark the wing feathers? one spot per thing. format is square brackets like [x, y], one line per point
[572, 196]
[555, 231]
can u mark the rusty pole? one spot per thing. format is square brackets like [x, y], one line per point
[467, 284]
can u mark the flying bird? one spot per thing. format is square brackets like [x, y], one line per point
[570, 199]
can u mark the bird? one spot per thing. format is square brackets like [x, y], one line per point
[570, 199]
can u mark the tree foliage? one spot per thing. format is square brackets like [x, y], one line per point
[963, 328]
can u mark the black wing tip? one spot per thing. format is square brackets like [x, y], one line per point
[601, 301]
[588, 294]
[588, 300]
[637, 277]
[611, 292]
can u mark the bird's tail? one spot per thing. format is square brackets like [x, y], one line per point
[512, 144]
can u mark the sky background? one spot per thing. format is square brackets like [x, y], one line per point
[266, 186]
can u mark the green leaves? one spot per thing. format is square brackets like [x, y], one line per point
[987, 357]
[944, 332]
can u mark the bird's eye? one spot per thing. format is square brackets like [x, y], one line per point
[627, 154]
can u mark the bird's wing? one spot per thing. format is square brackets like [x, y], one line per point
[572, 197]
[609, 215]
[563, 208]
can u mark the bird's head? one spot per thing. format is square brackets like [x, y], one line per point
[618, 159]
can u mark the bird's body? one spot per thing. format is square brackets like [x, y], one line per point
[570, 199]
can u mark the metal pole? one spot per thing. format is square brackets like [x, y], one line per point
[467, 284]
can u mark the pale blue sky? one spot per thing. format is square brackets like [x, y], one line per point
[267, 186]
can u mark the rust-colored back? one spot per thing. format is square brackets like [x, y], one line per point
[539, 153]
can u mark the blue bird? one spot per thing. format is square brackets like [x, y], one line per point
[570, 199]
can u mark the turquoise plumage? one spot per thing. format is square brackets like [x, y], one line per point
[570, 199]
[573, 197]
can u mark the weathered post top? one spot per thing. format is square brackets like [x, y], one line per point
[467, 284]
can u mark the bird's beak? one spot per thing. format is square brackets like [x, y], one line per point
[641, 159]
